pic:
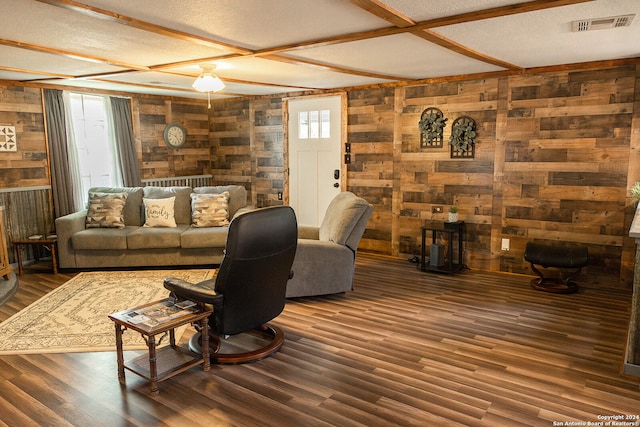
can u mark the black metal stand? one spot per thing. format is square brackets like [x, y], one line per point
[449, 230]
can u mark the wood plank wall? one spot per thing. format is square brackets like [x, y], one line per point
[247, 147]
[553, 163]
[429, 177]
[566, 164]
[267, 152]
[555, 158]
[230, 137]
[151, 114]
[372, 173]
[28, 167]
[26, 212]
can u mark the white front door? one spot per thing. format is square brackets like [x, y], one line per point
[315, 171]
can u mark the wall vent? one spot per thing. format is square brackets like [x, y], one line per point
[602, 23]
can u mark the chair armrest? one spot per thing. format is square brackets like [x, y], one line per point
[200, 292]
[66, 226]
[307, 232]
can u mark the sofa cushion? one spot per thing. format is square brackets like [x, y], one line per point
[210, 210]
[159, 212]
[207, 237]
[153, 238]
[101, 238]
[182, 206]
[132, 215]
[105, 210]
[237, 195]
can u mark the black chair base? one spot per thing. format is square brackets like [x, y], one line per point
[557, 286]
[276, 339]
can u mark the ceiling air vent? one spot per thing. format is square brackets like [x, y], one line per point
[602, 23]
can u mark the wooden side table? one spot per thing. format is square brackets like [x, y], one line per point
[161, 364]
[48, 243]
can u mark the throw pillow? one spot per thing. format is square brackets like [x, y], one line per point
[106, 210]
[159, 212]
[182, 206]
[210, 210]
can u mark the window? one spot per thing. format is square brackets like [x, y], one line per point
[314, 125]
[92, 143]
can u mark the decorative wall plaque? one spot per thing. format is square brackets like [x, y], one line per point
[431, 125]
[8, 138]
[463, 138]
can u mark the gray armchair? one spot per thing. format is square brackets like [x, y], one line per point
[325, 258]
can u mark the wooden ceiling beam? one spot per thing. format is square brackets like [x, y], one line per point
[462, 50]
[495, 12]
[402, 24]
[383, 11]
[146, 85]
[72, 55]
[247, 82]
[106, 15]
[39, 73]
[328, 67]
[197, 61]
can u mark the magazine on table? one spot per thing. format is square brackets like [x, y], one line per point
[161, 312]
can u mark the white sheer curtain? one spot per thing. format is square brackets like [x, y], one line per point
[92, 151]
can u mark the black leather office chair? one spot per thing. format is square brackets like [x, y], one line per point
[249, 289]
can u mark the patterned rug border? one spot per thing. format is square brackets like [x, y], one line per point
[63, 322]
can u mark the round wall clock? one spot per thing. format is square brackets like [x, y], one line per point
[174, 135]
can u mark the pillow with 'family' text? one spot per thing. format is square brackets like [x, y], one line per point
[159, 212]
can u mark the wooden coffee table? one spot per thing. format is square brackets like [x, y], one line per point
[161, 364]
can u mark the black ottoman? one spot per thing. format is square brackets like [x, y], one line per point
[557, 257]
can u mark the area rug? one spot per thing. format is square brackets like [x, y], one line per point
[74, 317]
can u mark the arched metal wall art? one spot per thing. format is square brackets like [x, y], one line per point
[463, 138]
[431, 125]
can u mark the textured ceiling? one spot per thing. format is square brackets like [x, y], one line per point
[287, 46]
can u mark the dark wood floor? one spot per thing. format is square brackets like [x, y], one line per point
[405, 348]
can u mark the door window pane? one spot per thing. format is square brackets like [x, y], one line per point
[325, 124]
[303, 125]
[314, 124]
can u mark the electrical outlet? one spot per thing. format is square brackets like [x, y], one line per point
[279, 195]
[505, 244]
[436, 209]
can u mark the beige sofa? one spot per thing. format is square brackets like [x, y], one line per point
[137, 246]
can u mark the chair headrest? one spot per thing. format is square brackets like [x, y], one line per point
[344, 215]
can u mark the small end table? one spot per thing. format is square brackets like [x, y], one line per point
[48, 243]
[449, 229]
[170, 360]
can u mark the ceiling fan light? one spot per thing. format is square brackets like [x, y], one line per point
[207, 82]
